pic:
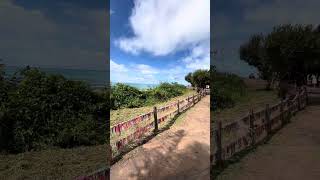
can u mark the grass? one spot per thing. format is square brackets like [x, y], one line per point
[54, 163]
[255, 99]
[125, 114]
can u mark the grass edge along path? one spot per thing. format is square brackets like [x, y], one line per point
[293, 107]
[144, 139]
[124, 114]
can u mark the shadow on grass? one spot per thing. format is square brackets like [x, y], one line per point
[148, 138]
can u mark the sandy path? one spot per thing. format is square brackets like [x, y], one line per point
[293, 153]
[182, 152]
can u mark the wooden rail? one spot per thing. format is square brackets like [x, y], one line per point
[233, 137]
[131, 131]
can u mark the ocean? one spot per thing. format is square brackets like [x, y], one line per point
[139, 85]
[96, 78]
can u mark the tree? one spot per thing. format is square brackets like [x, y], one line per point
[288, 53]
[189, 79]
[199, 78]
[253, 52]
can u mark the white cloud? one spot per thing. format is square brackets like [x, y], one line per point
[161, 27]
[199, 58]
[146, 69]
[117, 68]
[134, 73]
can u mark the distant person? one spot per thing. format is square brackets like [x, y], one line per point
[314, 80]
[309, 79]
[283, 88]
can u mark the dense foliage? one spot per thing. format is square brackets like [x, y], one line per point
[200, 78]
[289, 53]
[226, 89]
[43, 110]
[123, 95]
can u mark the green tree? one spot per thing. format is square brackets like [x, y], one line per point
[199, 78]
[288, 53]
[189, 79]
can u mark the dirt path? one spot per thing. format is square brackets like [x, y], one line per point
[182, 152]
[292, 153]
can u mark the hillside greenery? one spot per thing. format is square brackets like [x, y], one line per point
[226, 89]
[125, 96]
[38, 111]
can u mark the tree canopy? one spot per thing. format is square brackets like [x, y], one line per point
[199, 78]
[289, 52]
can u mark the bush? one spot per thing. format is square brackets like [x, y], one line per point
[125, 96]
[227, 89]
[49, 110]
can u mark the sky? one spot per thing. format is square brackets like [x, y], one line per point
[153, 41]
[54, 33]
[234, 21]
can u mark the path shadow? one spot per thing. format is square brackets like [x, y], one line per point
[165, 161]
[147, 138]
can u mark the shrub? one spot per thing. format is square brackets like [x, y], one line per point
[227, 89]
[49, 110]
[125, 96]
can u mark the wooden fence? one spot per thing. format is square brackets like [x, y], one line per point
[125, 133]
[102, 174]
[233, 137]
[140, 127]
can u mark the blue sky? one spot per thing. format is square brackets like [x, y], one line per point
[54, 33]
[159, 40]
[234, 21]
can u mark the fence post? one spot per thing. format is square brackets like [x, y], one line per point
[251, 127]
[193, 99]
[267, 117]
[218, 141]
[178, 106]
[306, 94]
[299, 101]
[281, 113]
[155, 118]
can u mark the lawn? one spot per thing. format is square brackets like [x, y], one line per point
[54, 163]
[255, 99]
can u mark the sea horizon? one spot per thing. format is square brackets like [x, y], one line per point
[95, 78]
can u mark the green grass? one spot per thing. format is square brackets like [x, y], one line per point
[54, 163]
[255, 99]
[125, 114]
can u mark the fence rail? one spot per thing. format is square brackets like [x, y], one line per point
[133, 130]
[233, 137]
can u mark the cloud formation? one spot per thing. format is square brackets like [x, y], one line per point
[161, 27]
[166, 27]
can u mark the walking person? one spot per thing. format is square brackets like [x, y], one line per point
[314, 80]
[309, 80]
